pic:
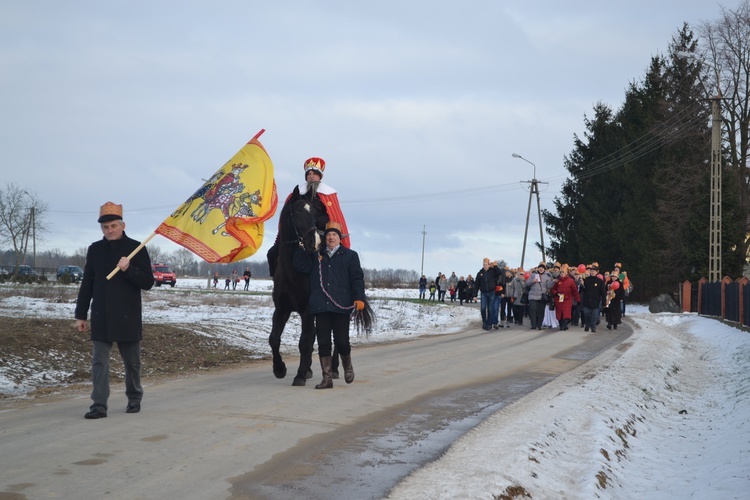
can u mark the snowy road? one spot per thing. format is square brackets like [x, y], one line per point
[245, 434]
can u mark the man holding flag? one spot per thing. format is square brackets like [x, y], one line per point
[115, 308]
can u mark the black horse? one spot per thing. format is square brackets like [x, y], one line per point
[291, 290]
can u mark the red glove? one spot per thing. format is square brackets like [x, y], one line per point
[359, 305]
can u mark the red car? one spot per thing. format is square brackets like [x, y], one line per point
[163, 275]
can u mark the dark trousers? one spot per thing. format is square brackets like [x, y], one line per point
[590, 317]
[518, 312]
[332, 323]
[506, 309]
[130, 352]
[536, 313]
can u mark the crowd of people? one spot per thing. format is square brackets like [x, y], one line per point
[552, 295]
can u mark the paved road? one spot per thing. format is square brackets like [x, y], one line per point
[245, 434]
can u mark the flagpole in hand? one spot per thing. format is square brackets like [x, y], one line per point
[143, 244]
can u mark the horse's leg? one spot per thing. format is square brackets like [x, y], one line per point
[280, 317]
[335, 362]
[306, 342]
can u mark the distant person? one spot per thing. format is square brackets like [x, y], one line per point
[216, 279]
[538, 284]
[422, 287]
[470, 289]
[227, 282]
[115, 304]
[235, 279]
[337, 288]
[518, 296]
[615, 292]
[442, 286]
[433, 289]
[564, 293]
[485, 283]
[593, 295]
[246, 276]
[461, 290]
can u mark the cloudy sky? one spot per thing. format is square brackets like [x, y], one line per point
[416, 107]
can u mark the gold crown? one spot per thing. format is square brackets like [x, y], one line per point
[110, 211]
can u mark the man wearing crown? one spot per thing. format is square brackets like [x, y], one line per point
[326, 203]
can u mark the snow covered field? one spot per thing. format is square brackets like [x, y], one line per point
[665, 415]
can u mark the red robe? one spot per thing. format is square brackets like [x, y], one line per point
[330, 199]
[566, 289]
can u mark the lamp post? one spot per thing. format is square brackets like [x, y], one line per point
[533, 190]
[424, 234]
[714, 219]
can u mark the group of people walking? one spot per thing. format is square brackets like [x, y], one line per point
[552, 295]
[457, 288]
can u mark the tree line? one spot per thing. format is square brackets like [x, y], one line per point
[639, 184]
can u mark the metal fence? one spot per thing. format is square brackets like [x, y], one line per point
[726, 299]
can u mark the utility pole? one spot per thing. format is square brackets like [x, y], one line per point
[33, 235]
[714, 219]
[534, 189]
[714, 248]
[424, 234]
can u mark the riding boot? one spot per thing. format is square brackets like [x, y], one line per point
[346, 362]
[325, 367]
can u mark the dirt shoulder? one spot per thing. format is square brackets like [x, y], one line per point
[61, 356]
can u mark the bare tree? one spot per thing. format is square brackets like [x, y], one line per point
[184, 262]
[21, 220]
[727, 56]
[157, 255]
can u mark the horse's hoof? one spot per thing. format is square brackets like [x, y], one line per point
[308, 374]
[280, 372]
[297, 382]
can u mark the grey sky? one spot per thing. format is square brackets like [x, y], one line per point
[415, 106]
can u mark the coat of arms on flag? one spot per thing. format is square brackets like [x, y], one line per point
[223, 220]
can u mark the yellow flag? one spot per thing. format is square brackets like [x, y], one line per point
[223, 220]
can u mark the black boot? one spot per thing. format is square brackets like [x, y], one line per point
[346, 362]
[325, 366]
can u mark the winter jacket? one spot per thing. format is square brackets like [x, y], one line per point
[486, 280]
[537, 289]
[593, 292]
[116, 314]
[342, 281]
[515, 289]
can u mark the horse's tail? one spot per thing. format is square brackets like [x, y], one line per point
[364, 319]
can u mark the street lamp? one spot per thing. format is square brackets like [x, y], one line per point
[534, 189]
[714, 245]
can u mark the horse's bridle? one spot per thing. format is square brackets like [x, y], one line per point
[300, 237]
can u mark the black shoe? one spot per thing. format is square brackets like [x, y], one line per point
[96, 412]
[586, 329]
[593, 330]
[615, 327]
[609, 327]
[133, 408]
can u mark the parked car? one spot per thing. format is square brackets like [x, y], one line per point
[163, 275]
[24, 270]
[75, 273]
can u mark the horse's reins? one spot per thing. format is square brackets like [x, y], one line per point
[322, 287]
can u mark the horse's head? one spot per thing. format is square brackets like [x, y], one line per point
[302, 214]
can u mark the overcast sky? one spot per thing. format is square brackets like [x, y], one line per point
[416, 107]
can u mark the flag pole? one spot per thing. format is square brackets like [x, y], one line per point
[143, 244]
